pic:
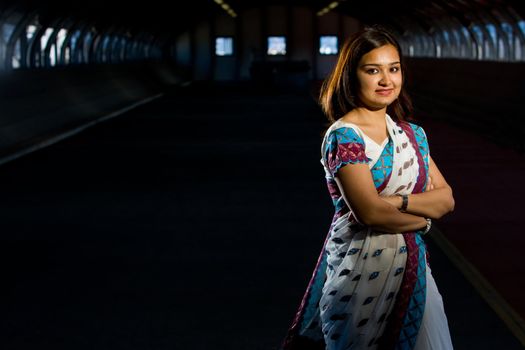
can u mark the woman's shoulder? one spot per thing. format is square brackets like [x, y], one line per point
[344, 132]
[420, 135]
[416, 127]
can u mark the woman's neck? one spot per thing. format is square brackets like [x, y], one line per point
[365, 116]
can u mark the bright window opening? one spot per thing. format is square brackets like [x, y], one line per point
[276, 45]
[60, 42]
[328, 45]
[521, 26]
[31, 29]
[44, 38]
[17, 56]
[224, 46]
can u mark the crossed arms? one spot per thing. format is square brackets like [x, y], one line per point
[382, 213]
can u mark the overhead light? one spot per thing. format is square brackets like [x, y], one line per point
[328, 8]
[226, 7]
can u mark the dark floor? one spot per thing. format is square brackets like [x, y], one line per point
[191, 223]
[487, 222]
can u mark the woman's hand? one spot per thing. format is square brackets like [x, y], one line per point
[430, 186]
[396, 201]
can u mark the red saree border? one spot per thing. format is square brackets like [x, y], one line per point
[395, 322]
[293, 340]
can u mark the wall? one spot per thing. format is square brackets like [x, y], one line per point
[39, 105]
[223, 67]
[252, 40]
[302, 37]
[300, 25]
[183, 50]
[485, 96]
[202, 52]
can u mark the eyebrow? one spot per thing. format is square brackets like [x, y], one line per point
[378, 65]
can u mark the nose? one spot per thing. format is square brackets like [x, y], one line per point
[385, 79]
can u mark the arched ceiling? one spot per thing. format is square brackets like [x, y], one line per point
[168, 18]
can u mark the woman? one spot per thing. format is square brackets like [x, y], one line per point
[372, 287]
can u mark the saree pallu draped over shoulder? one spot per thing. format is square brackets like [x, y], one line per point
[368, 288]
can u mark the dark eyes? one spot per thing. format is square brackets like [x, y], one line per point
[375, 70]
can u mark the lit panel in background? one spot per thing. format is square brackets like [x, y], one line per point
[224, 46]
[328, 45]
[276, 45]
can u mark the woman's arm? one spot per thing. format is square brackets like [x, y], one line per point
[361, 195]
[435, 202]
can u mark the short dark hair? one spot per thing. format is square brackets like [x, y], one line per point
[338, 94]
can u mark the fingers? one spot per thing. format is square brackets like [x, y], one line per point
[430, 186]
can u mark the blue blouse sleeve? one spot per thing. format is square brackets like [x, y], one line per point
[344, 146]
[422, 142]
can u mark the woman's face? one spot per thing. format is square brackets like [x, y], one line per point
[379, 76]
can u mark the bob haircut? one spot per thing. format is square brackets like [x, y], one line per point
[338, 94]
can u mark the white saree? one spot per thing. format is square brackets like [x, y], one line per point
[369, 289]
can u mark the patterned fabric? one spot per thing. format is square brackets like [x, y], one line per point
[368, 288]
[344, 146]
[406, 317]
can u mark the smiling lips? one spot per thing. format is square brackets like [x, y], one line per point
[384, 92]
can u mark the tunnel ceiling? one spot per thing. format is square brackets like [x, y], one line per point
[159, 16]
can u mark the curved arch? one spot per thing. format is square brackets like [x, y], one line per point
[51, 43]
[65, 50]
[84, 50]
[136, 49]
[503, 44]
[519, 34]
[114, 47]
[104, 55]
[60, 41]
[14, 37]
[33, 47]
[94, 52]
